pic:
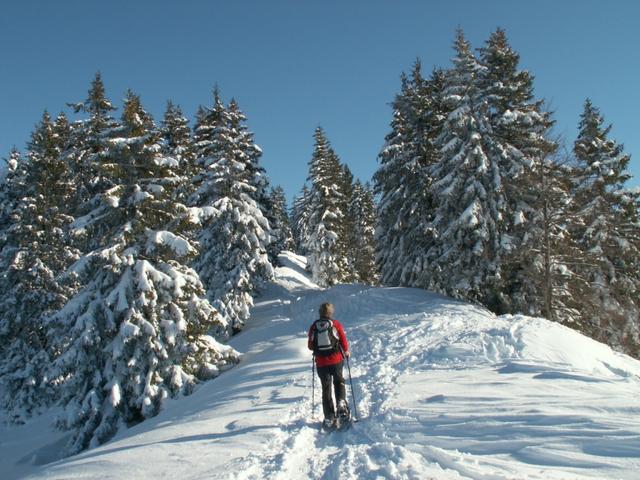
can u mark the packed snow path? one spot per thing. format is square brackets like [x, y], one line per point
[444, 390]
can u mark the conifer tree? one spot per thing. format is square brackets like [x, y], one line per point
[608, 232]
[233, 261]
[90, 137]
[253, 153]
[278, 218]
[347, 234]
[177, 144]
[136, 333]
[300, 214]
[327, 259]
[10, 190]
[549, 281]
[363, 211]
[36, 252]
[468, 182]
[403, 181]
[520, 126]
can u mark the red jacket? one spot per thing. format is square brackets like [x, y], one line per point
[324, 361]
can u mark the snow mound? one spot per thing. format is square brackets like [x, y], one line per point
[443, 389]
[292, 273]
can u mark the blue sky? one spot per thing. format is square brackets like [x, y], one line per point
[294, 65]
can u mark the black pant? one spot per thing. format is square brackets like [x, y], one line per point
[328, 375]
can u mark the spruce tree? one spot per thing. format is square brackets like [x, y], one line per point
[90, 137]
[520, 126]
[235, 235]
[36, 251]
[403, 181]
[300, 214]
[278, 218]
[363, 211]
[348, 235]
[177, 144]
[327, 260]
[468, 183]
[136, 333]
[11, 188]
[549, 281]
[608, 232]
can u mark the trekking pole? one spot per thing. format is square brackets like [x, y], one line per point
[353, 395]
[313, 386]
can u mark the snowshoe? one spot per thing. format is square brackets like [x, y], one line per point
[343, 420]
[328, 424]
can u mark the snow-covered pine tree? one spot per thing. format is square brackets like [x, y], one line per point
[233, 261]
[348, 235]
[300, 214]
[177, 144]
[609, 232]
[37, 251]
[327, 260]
[363, 211]
[136, 332]
[246, 144]
[88, 143]
[521, 127]
[403, 181]
[11, 188]
[278, 218]
[468, 183]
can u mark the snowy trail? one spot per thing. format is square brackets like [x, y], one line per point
[445, 390]
[441, 398]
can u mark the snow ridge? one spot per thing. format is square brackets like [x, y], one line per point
[445, 390]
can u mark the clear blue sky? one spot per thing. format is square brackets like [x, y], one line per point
[294, 65]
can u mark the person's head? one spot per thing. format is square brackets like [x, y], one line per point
[326, 310]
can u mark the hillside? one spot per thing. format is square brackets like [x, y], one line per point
[445, 390]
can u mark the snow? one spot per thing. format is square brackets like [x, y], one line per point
[444, 389]
[179, 245]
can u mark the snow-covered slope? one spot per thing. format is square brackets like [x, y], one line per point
[444, 390]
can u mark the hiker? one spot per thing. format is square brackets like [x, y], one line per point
[329, 344]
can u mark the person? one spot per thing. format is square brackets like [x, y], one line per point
[329, 363]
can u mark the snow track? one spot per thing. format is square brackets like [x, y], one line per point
[445, 390]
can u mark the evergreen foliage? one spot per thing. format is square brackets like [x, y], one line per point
[300, 214]
[362, 210]
[89, 140]
[177, 144]
[325, 243]
[521, 128]
[35, 251]
[608, 232]
[228, 201]
[469, 217]
[475, 201]
[278, 217]
[136, 333]
[403, 180]
[333, 221]
[549, 282]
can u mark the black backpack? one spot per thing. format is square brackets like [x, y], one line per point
[324, 337]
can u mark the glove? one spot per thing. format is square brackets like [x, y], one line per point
[347, 354]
